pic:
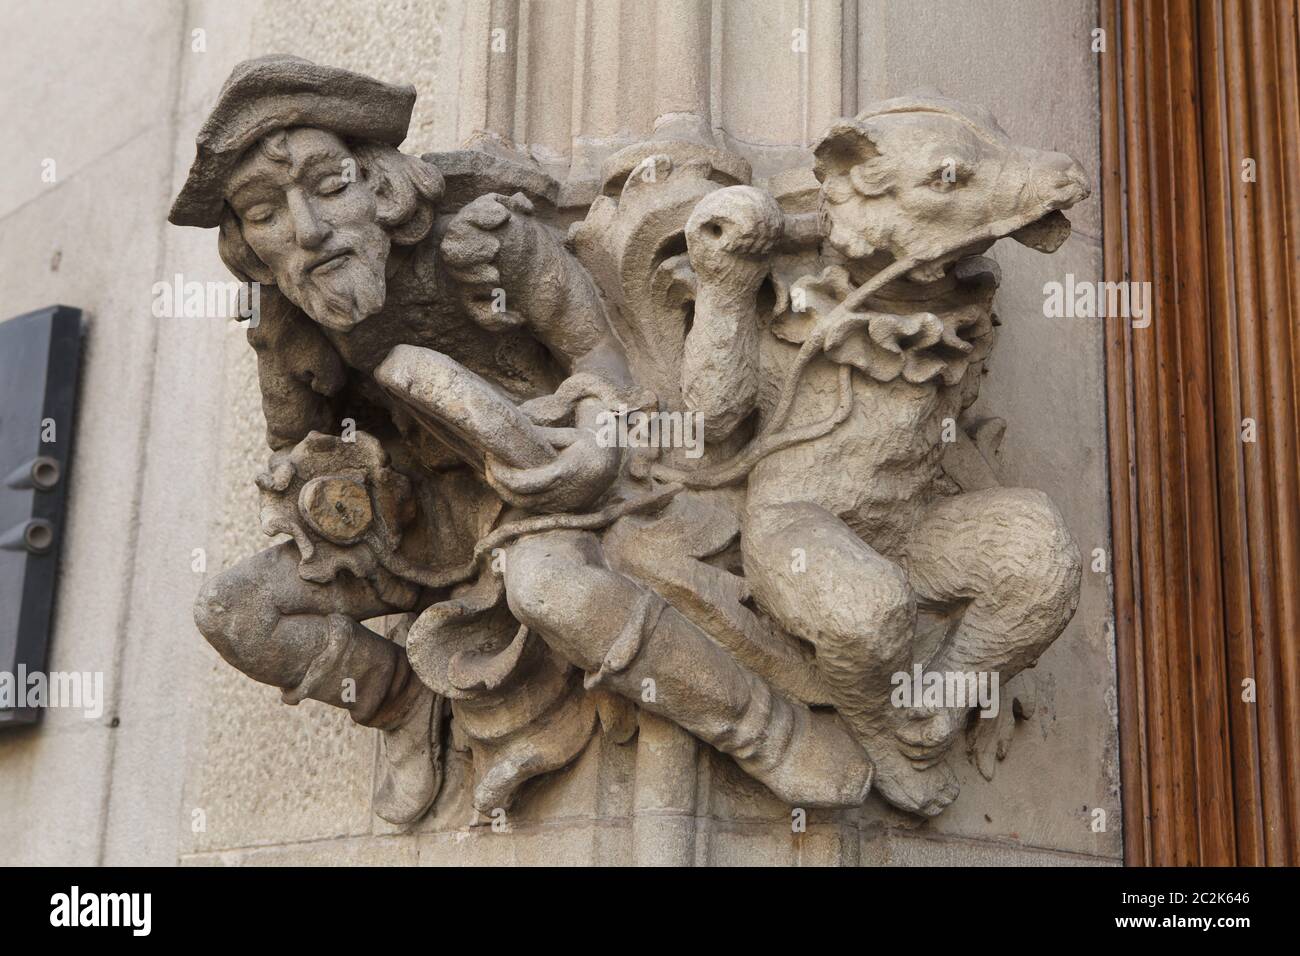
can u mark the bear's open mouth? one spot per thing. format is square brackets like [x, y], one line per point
[1046, 234]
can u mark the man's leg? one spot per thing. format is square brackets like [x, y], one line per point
[666, 551]
[630, 641]
[823, 583]
[305, 639]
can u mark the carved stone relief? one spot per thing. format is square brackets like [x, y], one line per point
[705, 455]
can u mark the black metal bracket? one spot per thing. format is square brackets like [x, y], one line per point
[39, 356]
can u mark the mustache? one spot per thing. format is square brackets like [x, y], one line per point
[326, 258]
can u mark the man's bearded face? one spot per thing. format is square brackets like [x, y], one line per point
[309, 218]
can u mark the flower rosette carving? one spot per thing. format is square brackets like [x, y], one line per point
[342, 504]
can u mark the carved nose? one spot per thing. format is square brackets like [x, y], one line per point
[309, 229]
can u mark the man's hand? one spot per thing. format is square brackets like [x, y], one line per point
[579, 475]
[511, 271]
[477, 238]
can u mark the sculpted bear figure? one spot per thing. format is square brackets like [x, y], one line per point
[883, 331]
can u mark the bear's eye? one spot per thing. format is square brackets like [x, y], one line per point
[950, 173]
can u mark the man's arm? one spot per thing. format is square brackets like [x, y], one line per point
[512, 271]
[298, 371]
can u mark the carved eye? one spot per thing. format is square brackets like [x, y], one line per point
[949, 174]
[263, 212]
[331, 185]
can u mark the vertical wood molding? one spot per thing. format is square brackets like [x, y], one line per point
[1206, 524]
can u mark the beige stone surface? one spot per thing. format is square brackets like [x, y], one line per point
[52, 784]
[79, 85]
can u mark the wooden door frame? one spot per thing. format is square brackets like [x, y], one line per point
[1201, 198]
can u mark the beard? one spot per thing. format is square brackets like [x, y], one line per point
[341, 296]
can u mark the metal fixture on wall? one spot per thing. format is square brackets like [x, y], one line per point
[39, 354]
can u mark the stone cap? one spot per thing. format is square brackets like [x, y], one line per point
[278, 91]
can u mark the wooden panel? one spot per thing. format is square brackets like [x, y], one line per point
[1199, 140]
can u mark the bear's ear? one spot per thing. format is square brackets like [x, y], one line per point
[848, 152]
[845, 145]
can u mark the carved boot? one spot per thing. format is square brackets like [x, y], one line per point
[370, 677]
[666, 664]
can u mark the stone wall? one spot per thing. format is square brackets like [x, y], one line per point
[194, 763]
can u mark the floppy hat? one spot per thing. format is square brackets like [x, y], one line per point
[278, 91]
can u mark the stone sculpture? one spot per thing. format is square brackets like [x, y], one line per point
[442, 371]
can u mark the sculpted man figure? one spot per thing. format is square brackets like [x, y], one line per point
[390, 381]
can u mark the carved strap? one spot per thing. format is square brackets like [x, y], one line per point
[645, 615]
[557, 408]
[338, 634]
